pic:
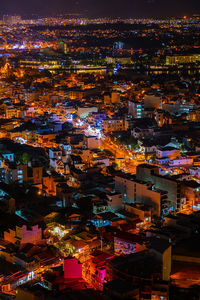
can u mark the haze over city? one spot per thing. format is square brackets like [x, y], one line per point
[126, 8]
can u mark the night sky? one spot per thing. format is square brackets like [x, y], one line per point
[123, 8]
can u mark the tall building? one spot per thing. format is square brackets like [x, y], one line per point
[138, 191]
[182, 59]
[12, 19]
[152, 101]
[135, 109]
[115, 97]
[150, 173]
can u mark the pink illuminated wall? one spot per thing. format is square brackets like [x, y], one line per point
[72, 268]
[25, 235]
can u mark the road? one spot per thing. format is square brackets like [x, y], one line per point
[131, 159]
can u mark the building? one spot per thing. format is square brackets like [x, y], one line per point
[92, 142]
[12, 19]
[126, 243]
[55, 153]
[50, 184]
[162, 250]
[149, 173]
[139, 209]
[12, 172]
[83, 112]
[115, 97]
[142, 130]
[190, 191]
[182, 59]
[115, 201]
[181, 162]
[72, 268]
[107, 99]
[138, 191]
[24, 235]
[75, 93]
[118, 60]
[94, 269]
[140, 269]
[162, 117]
[114, 124]
[135, 109]
[152, 101]
[121, 289]
[170, 152]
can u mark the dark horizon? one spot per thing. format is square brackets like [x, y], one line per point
[113, 8]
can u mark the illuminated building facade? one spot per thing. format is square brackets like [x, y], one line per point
[182, 59]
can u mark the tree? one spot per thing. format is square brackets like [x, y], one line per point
[107, 152]
[114, 165]
[25, 158]
[85, 205]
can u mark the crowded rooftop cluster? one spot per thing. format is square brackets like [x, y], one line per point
[99, 158]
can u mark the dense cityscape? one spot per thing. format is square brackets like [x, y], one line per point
[99, 158]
